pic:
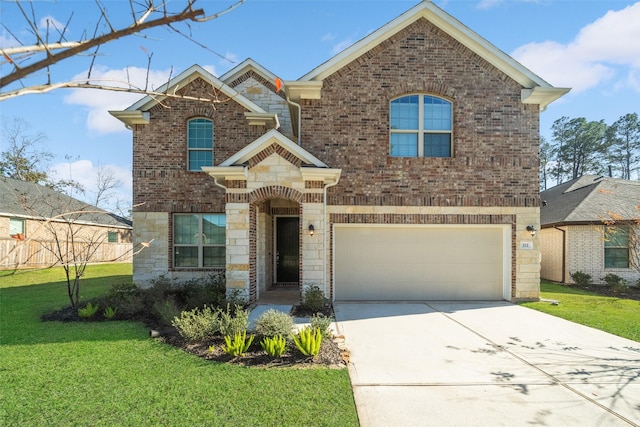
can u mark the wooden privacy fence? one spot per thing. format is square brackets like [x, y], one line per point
[25, 254]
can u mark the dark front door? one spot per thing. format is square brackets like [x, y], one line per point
[287, 249]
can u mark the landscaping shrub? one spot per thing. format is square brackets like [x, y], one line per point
[580, 278]
[274, 346]
[166, 311]
[198, 324]
[238, 345]
[616, 283]
[233, 322]
[88, 311]
[209, 290]
[110, 312]
[273, 322]
[313, 298]
[322, 323]
[308, 341]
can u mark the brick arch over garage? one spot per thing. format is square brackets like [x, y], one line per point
[275, 192]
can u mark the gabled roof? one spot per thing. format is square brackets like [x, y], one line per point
[135, 114]
[22, 199]
[589, 199]
[266, 140]
[312, 169]
[535, 89]
[243, 68]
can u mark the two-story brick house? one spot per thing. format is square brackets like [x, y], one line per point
[404, 168]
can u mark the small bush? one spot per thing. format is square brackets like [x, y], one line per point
[233, 322]
[210, 290]
[166, 311]
[313, 298]
[238, 345]
[616, 283]
[274, 346]
[614, 280]
[197, 324]
[308, 341]
[110, 312]
[580, 278]
[88, 311]
[323, 323]
[273, 322]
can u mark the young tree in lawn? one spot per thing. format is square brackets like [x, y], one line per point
[623, 137]
[50, 46]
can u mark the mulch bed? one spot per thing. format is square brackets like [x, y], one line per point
[332, 350]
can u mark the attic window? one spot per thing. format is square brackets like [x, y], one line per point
[199, 144]
[421, 126]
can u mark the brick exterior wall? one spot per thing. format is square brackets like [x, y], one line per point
[495, 136]
[161, 182]
[492, 177]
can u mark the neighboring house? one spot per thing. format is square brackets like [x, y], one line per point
[404, 168]
[38, 224]
[575, 236]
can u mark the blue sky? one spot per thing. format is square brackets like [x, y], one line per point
[592, 46]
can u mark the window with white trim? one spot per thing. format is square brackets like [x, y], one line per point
[616, 247]
[199, 240]
[420, 126]
[16, 227]
[199, 144]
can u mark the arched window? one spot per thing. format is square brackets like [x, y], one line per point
[420, 126]
[199, 144]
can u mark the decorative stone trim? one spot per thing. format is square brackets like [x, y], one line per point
[275, 192]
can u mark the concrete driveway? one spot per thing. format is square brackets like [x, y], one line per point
[485, 364]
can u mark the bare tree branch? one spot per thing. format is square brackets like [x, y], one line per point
[19, 73]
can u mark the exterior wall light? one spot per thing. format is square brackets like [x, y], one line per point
[311, 229]
[531, 229]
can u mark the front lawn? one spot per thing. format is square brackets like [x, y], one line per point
[111, 373]
[610, 314]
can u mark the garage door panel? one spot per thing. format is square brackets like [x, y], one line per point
[418, 263]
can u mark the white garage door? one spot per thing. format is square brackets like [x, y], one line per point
[410, 263]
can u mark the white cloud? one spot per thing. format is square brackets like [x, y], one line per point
[85, 172]
[600, 52]
[98, 102]
[51, 24]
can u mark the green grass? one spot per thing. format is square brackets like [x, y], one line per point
[111, 373]
[614, 315]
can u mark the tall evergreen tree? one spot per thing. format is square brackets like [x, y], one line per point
[623, 138]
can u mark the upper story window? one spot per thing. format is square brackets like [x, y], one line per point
[420, 126]
[200, 144]
[616, 247]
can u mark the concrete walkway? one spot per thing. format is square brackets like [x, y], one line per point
[485, 364]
